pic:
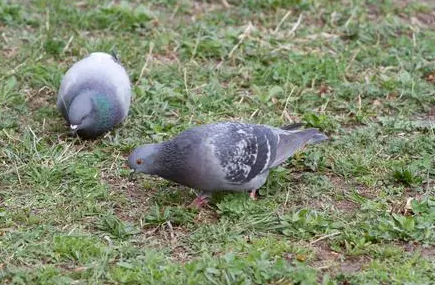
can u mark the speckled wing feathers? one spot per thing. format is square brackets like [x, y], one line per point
[243, 151]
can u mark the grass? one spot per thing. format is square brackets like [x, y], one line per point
[358, 209]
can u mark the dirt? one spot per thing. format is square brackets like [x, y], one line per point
[374, 12]
[353, 264]
[337, 201]
[134, 203]
[181, 254]
[335, 262]
[40, 98]
[325, 255]
[207, 215]
[431, 114]
[10, 52]
[426, 18]
[426, 251]
[344, 205]
[169, 57]
[200, 7]
[135, 197]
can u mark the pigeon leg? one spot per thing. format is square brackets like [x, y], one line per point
[253, 194]
[199, 202]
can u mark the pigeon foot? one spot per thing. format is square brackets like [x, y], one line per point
[199, 202]
[253, 194]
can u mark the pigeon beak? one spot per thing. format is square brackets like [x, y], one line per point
[73, 127]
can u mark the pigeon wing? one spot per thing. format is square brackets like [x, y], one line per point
[244, 151]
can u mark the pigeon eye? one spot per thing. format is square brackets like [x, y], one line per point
[139, 161]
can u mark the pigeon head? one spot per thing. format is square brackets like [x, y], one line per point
[80, 113]
[89, 114]
[142, 159]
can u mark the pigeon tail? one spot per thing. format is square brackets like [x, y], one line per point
[291, 127]
[317, 137]
[293, 140]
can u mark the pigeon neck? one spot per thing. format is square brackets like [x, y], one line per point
[103, 110]
[171, 163]
[164, 155]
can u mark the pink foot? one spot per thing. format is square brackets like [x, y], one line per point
[199, 202]
[253, 194]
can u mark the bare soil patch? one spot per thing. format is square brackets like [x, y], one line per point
[134, 201]
[43, 97]
[343, 205]
[335, 262]
[426, 251]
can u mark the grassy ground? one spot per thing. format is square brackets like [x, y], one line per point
[358, 209]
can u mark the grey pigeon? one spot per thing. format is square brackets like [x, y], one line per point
[94, 95]
[222, 156]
